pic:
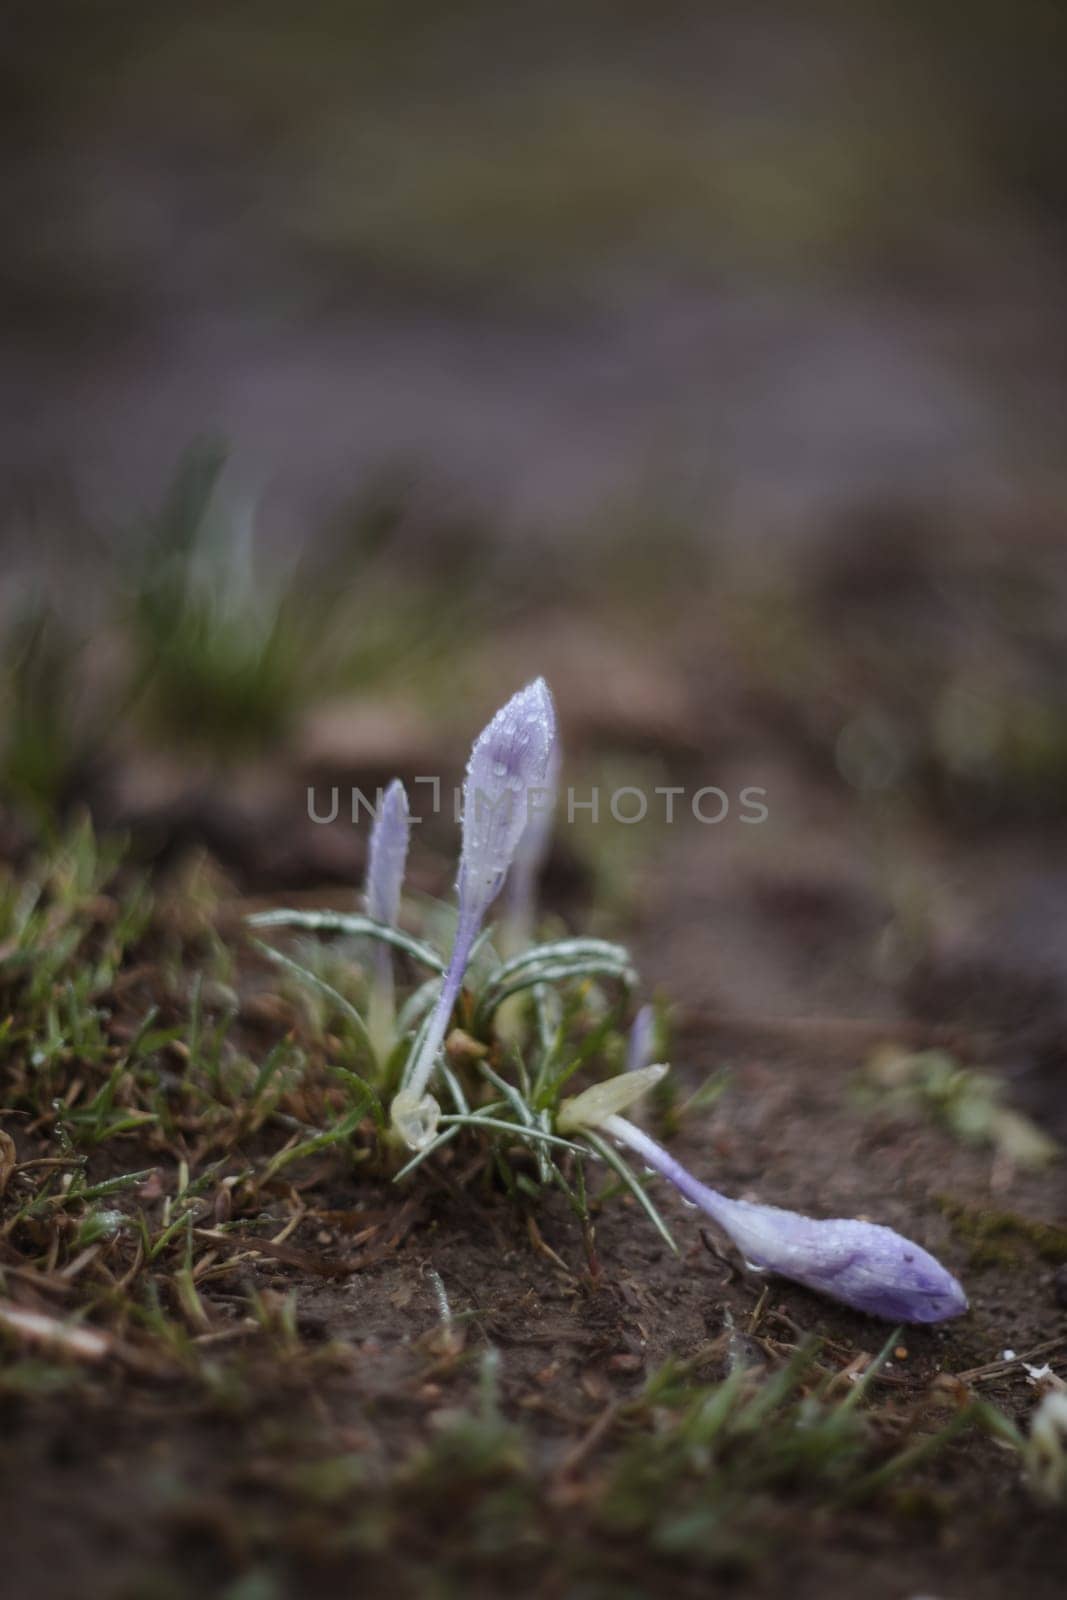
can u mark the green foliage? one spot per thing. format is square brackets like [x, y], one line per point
[224, 656]
[996, 1236]
[970, 1104]
[48, 737]
[64, 942]
[505, 1086]
[159, 1144]
[698, 1482]
[212, 644]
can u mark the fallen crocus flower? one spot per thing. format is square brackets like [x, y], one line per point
[387, 855]
[862, 1264]
[509, 765]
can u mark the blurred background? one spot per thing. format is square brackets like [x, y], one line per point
[361, 360]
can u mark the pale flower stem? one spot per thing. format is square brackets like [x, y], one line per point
[422, 1070]
[386, 861]
[381, 1004]
[663, 1162]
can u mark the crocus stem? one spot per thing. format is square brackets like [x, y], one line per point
[661, 1161]
[386, 859]
[421, 1069]
[381, 1005]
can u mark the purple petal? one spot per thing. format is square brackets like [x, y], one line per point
[510, 758]
[387, 855]
[642, 1045]
[862, 1264]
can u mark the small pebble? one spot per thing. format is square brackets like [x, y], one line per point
[624, 1362]
[1007, 1355]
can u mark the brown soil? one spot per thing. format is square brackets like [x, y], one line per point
[311, 1448]
[137, 1479]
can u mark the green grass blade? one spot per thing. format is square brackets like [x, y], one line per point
[498, 1125]
[352, 924]
[327, 989]
[633, 1183]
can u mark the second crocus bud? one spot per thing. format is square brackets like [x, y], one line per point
[386, 862]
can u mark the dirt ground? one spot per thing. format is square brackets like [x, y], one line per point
[709, 361]
[339, 1439]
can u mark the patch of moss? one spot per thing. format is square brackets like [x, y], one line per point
[994, 1237]
[920, 1502]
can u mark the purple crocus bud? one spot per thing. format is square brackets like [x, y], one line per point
[509, 761]
[507, 775]
[642, 1043]
[862, 1264]
[386, 859]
